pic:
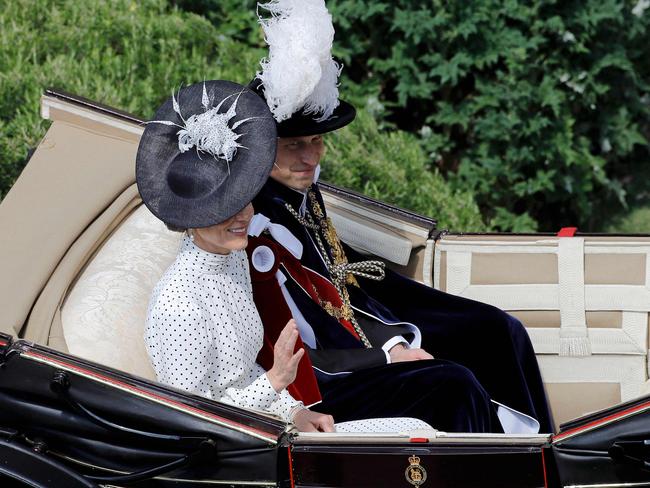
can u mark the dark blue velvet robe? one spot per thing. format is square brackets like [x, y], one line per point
[481, 341]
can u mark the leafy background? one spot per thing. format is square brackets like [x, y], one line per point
[487, 115]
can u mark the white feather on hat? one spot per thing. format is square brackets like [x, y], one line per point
[299, 72]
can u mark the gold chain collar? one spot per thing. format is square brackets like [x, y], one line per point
[341, 271]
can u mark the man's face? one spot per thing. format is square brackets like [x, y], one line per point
[297, 160]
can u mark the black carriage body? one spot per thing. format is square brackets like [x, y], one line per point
[115, 428]
[436, 463]
[69, 422]
[608, 449]
[108, 424]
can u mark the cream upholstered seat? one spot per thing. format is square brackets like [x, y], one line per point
[103, 314]
[584, 300]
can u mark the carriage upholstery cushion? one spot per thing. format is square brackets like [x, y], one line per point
[584, 301]
[103, 314]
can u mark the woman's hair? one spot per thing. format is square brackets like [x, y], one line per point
[173, 228]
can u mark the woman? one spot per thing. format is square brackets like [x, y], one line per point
[199, 164]
[203, 332]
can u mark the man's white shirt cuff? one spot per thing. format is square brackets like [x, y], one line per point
[393, 341]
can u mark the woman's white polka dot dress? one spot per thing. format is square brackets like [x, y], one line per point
[203, 331]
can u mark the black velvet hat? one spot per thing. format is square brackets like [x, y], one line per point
[299, 77]
[301, 124]
[205, 155]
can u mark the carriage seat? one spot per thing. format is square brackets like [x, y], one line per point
[103, 314]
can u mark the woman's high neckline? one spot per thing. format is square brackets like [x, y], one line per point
[197, 256]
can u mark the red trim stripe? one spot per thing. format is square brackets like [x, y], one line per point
[544, 470]
[567, 232]
[601, 422]
[293, 483]
[154, 396]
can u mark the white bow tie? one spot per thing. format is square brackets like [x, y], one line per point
[260, 223]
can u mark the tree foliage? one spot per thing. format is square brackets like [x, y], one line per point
[635, 222]
[132, 54]
[392, 167]
[542, 109]
[126, 54]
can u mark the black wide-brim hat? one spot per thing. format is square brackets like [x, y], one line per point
[301, 124]
[194, 189]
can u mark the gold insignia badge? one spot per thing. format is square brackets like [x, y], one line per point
[415, 474]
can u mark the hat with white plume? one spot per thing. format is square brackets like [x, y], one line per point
[206, 154]
[299, 78]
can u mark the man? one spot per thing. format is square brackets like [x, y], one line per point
[372, 334]
[489, 347]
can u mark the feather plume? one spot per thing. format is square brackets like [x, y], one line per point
[299, 72]
[208, 132]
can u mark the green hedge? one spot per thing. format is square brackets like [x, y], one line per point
[122, 53]
[131, 55]
[541, 109]
[635, 222]
[392, 167]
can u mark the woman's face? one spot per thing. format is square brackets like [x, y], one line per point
[227, 236]
[296, 161]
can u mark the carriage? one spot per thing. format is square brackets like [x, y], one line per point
[80, 407]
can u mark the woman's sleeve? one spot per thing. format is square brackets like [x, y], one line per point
[182, 352]
[286, 406]
[259, 394]
[179, 346]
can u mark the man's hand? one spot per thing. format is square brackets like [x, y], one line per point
[399, 354]
[307, 421]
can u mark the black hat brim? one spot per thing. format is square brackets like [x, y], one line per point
[301, 124]
[194, 189]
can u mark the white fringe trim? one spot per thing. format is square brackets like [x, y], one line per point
[574, 346]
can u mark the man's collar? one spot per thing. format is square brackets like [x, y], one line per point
[296, 198]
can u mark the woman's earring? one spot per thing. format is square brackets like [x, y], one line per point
[190, 234]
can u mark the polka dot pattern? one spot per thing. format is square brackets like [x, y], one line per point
[203, 331]
[397, 424]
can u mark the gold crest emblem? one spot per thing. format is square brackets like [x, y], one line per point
[415, 474]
